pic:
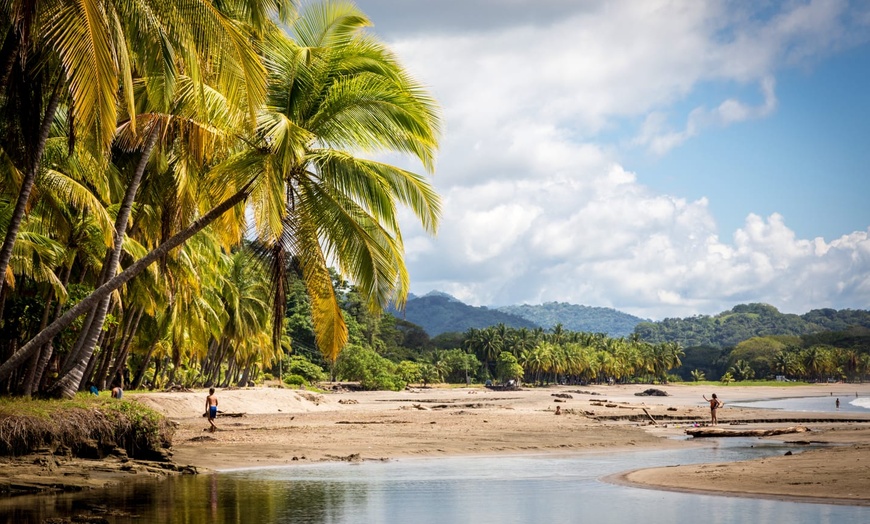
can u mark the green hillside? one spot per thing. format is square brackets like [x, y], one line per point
[577, 318]
[439, 313]
[745, 321]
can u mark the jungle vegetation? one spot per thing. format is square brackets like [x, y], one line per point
[165, 167]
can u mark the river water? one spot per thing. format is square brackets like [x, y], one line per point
[848, 404]
[503, 489]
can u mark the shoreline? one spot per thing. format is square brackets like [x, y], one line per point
[277, 427]
[308, 428]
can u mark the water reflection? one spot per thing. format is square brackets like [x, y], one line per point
[481, 489]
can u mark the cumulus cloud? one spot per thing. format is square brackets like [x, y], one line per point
[538, 99]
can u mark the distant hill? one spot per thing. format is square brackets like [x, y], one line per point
[438, 313]
[745, 321]
[577, 318]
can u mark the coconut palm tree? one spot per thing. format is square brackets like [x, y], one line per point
[89, 52]
[334, 90]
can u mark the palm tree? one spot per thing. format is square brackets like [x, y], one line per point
[341, 89]
[84, 51]
[332, 91]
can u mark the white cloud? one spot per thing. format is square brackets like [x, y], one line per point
[537, 205]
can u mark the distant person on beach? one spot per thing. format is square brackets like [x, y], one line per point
[211, 405]
[715, 404]
[838, 403]
[558, 410]
[117, 392]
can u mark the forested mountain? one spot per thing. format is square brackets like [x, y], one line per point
[745, 321]
[577, 318]
[440, 313]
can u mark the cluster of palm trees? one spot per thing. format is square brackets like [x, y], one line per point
[559, 355]
[143, 141]
[817, 362]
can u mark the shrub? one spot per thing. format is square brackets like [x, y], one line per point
[372, 371]
[292, 379]
[299, 365]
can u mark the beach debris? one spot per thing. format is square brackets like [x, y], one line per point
[311, 397]
[650, 417]
[348, 401]
[672, 408]
[558, 400]
[561, 395]
[652, 392]
[718, 432]
[418, 406]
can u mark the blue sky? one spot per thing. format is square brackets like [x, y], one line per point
[663, 158]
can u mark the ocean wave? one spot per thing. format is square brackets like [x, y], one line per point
[861, 402]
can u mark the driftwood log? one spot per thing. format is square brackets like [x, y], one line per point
[718, 432]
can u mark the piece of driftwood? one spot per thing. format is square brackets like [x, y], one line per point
[650, 416]
[718, 432]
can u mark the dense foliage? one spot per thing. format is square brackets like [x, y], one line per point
[164, 172]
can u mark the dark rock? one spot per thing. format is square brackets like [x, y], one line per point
[652, 392]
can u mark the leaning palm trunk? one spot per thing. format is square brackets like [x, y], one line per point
[20, 356]
[27, 186]
[70, 382]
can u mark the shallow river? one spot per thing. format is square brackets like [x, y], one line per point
[504, 489]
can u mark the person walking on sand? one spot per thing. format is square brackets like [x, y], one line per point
[715, 404]
[211, 405]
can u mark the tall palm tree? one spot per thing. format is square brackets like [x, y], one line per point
[335, 90]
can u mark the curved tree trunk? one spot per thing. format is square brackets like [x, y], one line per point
[27, 185]
[119, 280]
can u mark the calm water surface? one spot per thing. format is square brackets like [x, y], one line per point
[507, 489]
[815, 404]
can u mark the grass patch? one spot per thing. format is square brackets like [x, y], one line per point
[85, 426]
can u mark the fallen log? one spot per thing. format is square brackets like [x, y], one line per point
[718, 432]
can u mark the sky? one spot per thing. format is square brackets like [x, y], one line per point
[664, 158]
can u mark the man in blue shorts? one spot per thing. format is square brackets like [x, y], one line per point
[211, 405]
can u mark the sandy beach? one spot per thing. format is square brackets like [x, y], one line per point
[274, 426]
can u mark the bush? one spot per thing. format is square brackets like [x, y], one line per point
[372, 371]
[292, 379]
[309, 371]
